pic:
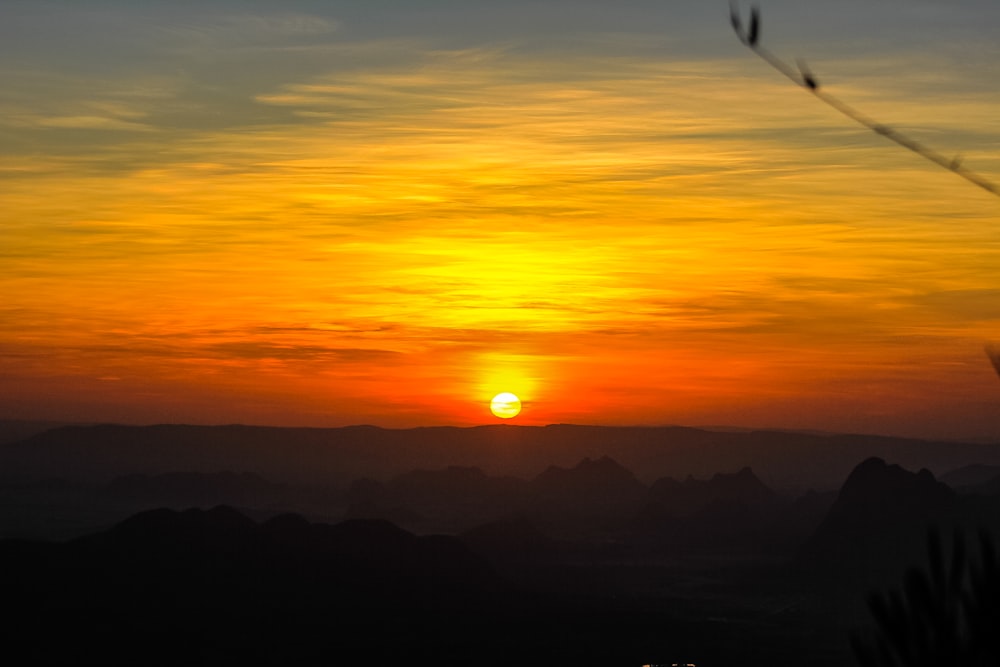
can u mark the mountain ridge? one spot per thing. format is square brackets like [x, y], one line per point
[340, 454]
[523, 583]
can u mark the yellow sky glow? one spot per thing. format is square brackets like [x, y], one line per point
[615, 240]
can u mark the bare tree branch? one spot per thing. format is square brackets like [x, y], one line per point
[802, 77]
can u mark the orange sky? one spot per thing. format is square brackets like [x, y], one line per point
[281, 219]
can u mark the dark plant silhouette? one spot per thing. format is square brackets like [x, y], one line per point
[947, 615]
[751, 38]
[993, 352]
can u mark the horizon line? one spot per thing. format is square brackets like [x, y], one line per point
[981, 439]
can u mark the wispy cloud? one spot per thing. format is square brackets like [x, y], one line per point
[290, 201]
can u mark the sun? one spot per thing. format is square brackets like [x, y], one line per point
[505, 405]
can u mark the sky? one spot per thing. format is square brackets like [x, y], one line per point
[333, 213]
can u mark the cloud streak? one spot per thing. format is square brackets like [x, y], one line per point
[309, 210]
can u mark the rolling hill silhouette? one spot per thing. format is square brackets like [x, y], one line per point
[213, 586]
[166, 587]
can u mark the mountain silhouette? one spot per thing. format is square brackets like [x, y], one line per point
[189, 585]
[336, 456]
[493, 545]
[880, 519]
[569, 574]
[592, 486]
[693, 496]
[728, 515]
[167, 587]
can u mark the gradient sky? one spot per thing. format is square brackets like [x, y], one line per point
[386, 212]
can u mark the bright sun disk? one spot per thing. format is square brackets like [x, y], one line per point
[505, 405]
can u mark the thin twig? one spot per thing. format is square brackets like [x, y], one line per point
[802, 77]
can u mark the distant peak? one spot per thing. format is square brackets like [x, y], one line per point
[873, 477]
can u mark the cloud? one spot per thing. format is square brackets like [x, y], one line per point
[91, 123]
[329, 201]
[224, 33]
[970, 305]
[297, 352]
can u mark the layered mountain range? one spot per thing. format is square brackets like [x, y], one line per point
[587, 563]
[783, 460]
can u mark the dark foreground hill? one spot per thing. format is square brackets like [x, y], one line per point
[924, 559]
[200, 587]
[213, 587]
